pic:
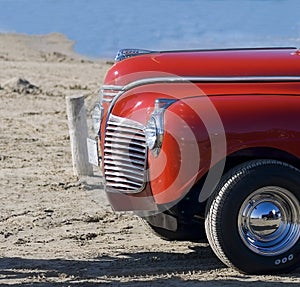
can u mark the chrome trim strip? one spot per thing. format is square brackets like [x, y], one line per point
[125, 136]
[137, 155]
[122, 165]
[120, 158]
[112, 87]
[177, 79]
[118, 146]
[129, 175]
[108, 92]
[124, 130]
[116, 185]
[228, 79]
[123, 122]
[210, 80]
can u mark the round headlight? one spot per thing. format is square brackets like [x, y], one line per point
[151, 133]
[96, 117]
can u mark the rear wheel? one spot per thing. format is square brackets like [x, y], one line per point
[253, 219]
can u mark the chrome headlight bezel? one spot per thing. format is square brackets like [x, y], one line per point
[154, 130]
[151, 133]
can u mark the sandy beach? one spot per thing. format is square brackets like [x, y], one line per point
[56, 229]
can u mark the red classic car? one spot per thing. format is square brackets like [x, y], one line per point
[205, 145]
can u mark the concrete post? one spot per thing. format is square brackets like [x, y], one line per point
[78, 134]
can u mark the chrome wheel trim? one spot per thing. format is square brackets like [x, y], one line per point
[268, 221]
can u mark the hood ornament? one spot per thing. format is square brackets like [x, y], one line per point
[127, 53]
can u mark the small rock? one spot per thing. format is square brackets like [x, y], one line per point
[48, 211]
[88, 236]
[3, 157]
[21, 241]
[21, 86]
[93, 218]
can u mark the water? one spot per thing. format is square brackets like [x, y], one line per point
[101, 27]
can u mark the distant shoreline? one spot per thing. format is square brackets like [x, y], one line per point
[23, 46]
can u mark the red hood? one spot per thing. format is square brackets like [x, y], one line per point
[212, 63]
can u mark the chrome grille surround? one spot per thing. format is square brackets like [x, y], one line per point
[125, 155]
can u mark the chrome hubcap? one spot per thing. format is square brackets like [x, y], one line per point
[268, 221]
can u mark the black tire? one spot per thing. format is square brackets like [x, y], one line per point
[247, 215]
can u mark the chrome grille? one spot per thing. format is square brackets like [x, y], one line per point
[108, 93]
[125, 154]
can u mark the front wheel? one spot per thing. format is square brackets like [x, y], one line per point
[253, 219]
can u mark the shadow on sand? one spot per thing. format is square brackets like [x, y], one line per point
[134, 269]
